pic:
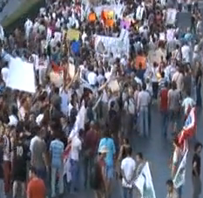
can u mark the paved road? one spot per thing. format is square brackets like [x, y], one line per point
[158, 151]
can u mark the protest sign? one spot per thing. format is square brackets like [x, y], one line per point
[171, 16]
[144, 183]
[21, 75]
[117, 46]
[184, 21]
[73, 34]
[179, 178]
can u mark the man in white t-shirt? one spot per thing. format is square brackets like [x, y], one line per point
[128, 166]
[92, 77]
[76, 146]
[185, 50]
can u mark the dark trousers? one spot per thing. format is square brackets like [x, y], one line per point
[7, 176]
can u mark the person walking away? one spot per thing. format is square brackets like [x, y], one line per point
[155, 83]
[56, 150]
[128, 166]
[171, 191]
[122, 154]
[174, 106]
[129, 106]
[39, 154]
[36, 187]
[142, 107]
[98, 176]
[76, 146]
[196, 171]
[176, 159]
[19, 166]
[163, 98]
[108, 142]
[2, 189]
[91, 140]
[7, 161]
[198, 83]
[187, 104]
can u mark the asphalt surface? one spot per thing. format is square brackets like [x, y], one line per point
[157, 150]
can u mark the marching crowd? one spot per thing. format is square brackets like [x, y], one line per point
[110, 95]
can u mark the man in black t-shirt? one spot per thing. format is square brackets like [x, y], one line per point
[19, 168]
[196, 171]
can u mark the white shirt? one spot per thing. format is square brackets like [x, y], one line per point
[76, 146]
[4, 73]
[92, 78]
[185, 53]
[129, 106]
[187, 102]
[128, 166]
[13, 121]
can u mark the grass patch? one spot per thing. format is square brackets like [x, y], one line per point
[21, 13]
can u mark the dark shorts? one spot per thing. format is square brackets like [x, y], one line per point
[19, 175]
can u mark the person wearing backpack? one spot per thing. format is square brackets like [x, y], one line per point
[97, 175]
[108, 142]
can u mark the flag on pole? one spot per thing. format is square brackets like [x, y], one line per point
[179, 178]
[144, 183]
[189, 127]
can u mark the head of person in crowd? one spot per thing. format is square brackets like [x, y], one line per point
[139, 157]
[103, 151]
[198, 147]
[170, 186]
[173, 85]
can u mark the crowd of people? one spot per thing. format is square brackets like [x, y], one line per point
[111, 93]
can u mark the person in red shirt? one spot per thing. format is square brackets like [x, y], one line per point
[164, 108]
[36, 187]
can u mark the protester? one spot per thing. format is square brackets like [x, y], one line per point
[96, 67]
[171, 192]
[36, 187]
[196, 170]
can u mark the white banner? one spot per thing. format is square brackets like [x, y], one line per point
[144, 183]
[179, 178]
[21, 75]
[117, 45]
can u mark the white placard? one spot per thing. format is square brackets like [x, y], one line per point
[139, 13]
[117, 46]
[21, 75]
[171, 16]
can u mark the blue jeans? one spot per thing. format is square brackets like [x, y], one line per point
[144, 121]
[41, 173]
[164, 122]
[127, 192]
[2, 191]
[198, 95]
[54, 172]
[75, 174]
[88, 164]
